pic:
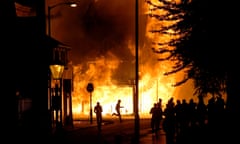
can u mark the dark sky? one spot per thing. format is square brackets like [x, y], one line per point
[95, 27]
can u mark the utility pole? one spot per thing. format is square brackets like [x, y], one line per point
[136, 115]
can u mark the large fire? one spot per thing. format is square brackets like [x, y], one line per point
[110, 86]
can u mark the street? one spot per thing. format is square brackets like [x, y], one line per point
[112, 133]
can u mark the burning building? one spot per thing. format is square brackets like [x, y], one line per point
[112, 71]
[102, 35]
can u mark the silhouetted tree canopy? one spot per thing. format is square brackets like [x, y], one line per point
[199, 44]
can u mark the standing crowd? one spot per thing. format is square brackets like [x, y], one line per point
[189, 122]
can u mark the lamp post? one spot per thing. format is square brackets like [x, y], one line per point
[71, 4]
[136, 115]
[57, 68]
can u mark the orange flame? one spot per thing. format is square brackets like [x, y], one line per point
[152, 83]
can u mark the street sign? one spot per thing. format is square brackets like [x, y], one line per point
[90, 87]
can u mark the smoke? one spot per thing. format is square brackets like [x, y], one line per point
[96, 27]
[102, 36]
[105, 29]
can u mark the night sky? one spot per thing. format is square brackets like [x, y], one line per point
[95, 28]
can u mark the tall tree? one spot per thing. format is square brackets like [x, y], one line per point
[202, 46]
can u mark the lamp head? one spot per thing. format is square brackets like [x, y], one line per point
[71, 4]
[57, 70]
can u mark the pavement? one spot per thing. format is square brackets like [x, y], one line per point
[153, 138]
[145, 134]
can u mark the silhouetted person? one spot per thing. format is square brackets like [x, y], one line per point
[201, 112]
[156, 113]
[211, 112]
[192, 112]
[169, 122]
[200, 133]
[192, 135]
[220, 118]
[220, 108]
[161, 111]
[216, 117]
[98, 111]
[118, 112]
[184, 119]
[159, 103]
[153, 118]
[179, 116]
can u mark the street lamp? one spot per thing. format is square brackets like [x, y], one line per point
[57, 70]
[71, 4]
[57, 67]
